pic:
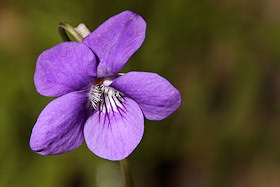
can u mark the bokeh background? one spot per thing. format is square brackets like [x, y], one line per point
[223, 56]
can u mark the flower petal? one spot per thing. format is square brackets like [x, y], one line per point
[155, 95]
[66, 67]
[116, 40]
[114, 133]
[59, 127]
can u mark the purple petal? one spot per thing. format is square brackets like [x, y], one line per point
[59, 127]
[116, 40]
[155, 95]
[113, 133]
[66, 67]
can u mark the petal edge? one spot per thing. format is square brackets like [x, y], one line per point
[155, 95]
[116, 40]
[66, 67]
[59, 127]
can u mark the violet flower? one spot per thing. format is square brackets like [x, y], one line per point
[94, 102]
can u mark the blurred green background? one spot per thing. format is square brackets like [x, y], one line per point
[223, 56]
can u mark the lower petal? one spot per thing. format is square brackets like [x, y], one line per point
[114, 132]
[59, 127]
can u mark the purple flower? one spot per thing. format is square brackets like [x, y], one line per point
[95, 103]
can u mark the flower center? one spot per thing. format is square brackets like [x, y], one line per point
[105, 98]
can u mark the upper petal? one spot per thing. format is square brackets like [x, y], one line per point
[155, 95]
[113, 133]
[66, 67]
[116, 40]
[59, 127]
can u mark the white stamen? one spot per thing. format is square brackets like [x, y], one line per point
[95, 96]
[106, 98]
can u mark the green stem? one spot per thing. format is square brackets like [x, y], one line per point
[126, 171]
[62, 27]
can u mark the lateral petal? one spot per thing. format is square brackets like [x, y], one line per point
[59, 127]
[66, 67]
[156, 97]
[113, 133]
[116, 40]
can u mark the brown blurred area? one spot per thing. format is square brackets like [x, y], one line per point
[223, 56]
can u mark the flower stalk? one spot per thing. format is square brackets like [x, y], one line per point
[128, 178]
[63, 27]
